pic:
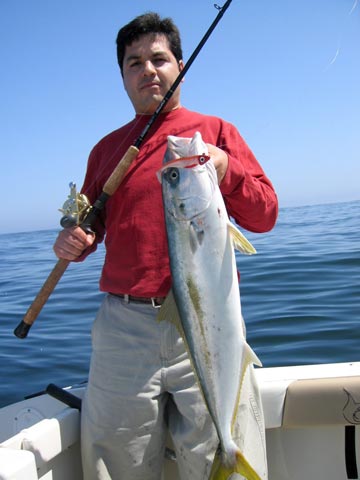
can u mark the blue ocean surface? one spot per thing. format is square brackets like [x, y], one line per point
[300, 297]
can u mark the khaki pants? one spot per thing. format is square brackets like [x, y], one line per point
[141, 382]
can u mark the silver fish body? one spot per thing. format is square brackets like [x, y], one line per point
[205, 288]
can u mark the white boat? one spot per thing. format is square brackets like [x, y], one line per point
[312, 415]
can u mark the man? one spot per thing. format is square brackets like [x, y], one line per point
[140, 374]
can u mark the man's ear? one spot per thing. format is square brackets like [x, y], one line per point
[181, 66]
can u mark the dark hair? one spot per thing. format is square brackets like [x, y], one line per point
[143, 25]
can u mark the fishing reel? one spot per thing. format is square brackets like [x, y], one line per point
[75, 209]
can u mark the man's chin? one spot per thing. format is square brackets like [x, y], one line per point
[150, 107]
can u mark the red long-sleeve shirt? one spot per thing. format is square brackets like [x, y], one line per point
[136, 259]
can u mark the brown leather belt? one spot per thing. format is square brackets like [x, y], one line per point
[156, 302]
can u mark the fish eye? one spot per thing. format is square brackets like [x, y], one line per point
[172, 175]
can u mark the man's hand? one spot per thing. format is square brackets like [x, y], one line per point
[71, 242]
[220, 159]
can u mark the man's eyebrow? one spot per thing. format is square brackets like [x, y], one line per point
[158, 53]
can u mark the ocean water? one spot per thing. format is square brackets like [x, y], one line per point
[300, 296]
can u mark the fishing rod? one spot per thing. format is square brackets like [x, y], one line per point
[91, 213]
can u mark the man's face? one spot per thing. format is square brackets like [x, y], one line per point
[149, 70]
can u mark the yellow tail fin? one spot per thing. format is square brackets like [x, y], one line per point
[220, 471]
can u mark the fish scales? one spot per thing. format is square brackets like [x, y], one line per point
[205, 288]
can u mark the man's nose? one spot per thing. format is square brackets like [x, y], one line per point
[149, 68]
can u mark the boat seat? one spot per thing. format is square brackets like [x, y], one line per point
[51, 436]
[325, 401]
[17, 465]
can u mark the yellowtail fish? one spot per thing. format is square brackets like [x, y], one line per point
[205, 289]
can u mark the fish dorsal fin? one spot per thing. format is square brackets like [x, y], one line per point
[240, 242]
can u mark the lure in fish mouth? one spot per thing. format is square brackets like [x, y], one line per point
[204, 302]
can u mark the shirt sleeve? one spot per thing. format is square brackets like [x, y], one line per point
[249, 196]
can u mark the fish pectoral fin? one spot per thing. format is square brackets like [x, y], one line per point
[196, 236]
[220, 471]
[169, 312]
[240, 242]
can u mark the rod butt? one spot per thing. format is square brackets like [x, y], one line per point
[22, 330]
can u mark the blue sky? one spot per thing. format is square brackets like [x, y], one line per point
[286, 73]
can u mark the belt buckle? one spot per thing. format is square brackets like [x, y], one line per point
[154, 303]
